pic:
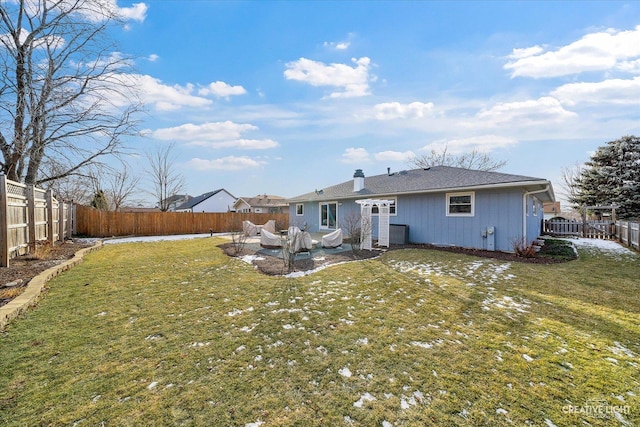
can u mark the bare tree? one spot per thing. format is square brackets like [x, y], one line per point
[356, 227]
[120, 186]
[66, 97]
[165, 181]
[475, 159]
[569, 177]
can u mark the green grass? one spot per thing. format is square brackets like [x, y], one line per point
[176, 333]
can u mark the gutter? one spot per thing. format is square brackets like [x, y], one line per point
[525, 196]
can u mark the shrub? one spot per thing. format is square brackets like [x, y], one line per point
[522, 248]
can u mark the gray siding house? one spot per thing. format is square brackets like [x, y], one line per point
[440, 205]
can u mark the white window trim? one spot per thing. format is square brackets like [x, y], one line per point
[300, 205]
[466, 193]
[395, 203]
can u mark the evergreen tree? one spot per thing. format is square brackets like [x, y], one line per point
[612, 177]
[100, 201]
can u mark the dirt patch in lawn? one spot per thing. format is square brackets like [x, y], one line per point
[15, 278]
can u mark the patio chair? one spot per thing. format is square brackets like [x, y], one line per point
[269, 240]
[250, 229]
[270, 226]
[301, 239]
[333, 239]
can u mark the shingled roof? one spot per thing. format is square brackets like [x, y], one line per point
[434, 179]
[199, 199]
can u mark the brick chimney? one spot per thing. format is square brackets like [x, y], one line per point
[358, 180]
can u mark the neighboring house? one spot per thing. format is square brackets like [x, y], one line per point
[214, 201]
[440, 205]
[262, 204]
[551, 209]
[176, 200]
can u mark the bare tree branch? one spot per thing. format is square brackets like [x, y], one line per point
[65, 98]
[475, 159]
[165, 181]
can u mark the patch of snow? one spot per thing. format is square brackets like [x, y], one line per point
[250, 258]
[421, 344]
[152, 385]
[367, 397]
[362, 341]
[606, 246]
[527, 358]
[345, 372]
[620, 349]
[549, 423]
[256, 424]
[501, 411]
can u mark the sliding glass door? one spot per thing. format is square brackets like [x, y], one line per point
[328, 215]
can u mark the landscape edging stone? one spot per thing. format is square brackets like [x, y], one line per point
[34, 288]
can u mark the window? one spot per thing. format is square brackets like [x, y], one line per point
[535, 206]
[460, 204]
[392, 208]
[300, 209]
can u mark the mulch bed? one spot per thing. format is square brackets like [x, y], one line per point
[275, 266]
[22, 269]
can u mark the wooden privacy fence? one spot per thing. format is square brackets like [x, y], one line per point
[96, 223]
[628, 233]
[590, 229]
[27, 215]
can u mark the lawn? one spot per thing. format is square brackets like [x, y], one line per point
[177, 333]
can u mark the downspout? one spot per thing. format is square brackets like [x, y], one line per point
[525, 196]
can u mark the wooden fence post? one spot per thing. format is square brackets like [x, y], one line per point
[61, 224]
[50, 229]
[4, 223]
[31, 217]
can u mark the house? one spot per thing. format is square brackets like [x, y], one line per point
[262, 203]
[214, 201]
[174, 201]
[440, 205]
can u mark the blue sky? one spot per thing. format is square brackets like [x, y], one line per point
[284, 97]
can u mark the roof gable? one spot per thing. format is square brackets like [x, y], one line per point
[201, 198]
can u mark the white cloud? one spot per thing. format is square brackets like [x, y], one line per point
[396, 110]
[613, 91]
[242, 144]
[482, 143]
[221, 90]
[394, 156]
[337, 45]
[525, 52]
[163, 97]
[210, 131]
[137, 11]
[229, 163]
[606, 50]
[353, 81]
[355, 156]
[538, 112]
[102, 10]
[153, 57]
